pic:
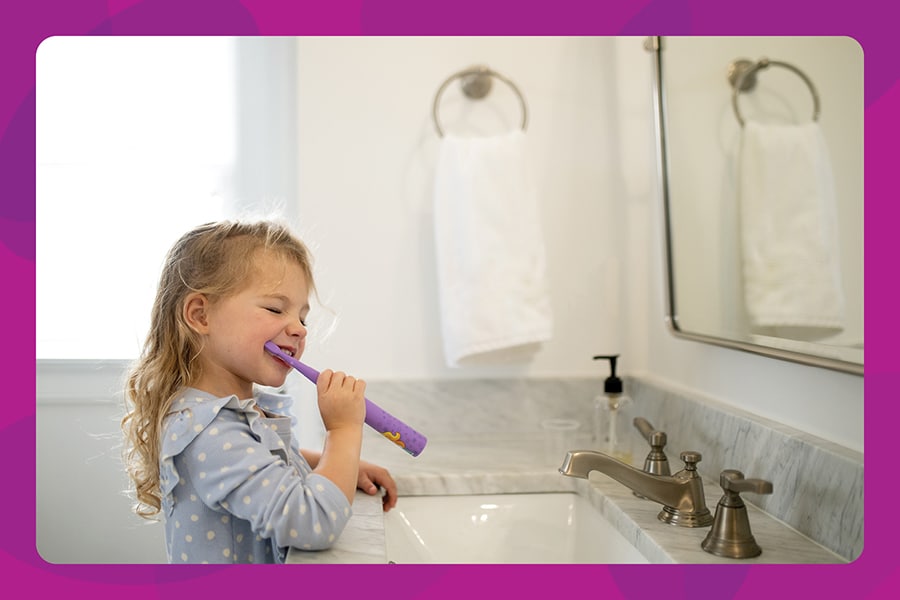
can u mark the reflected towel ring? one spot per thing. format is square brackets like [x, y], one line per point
[476, 84]
[742, 76]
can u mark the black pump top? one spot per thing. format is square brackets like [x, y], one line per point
[612, 385]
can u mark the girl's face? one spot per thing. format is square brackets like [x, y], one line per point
[273, 305]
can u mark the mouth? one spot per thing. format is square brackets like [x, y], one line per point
[283, 362]
[281, 353]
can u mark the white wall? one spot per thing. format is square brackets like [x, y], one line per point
[367, 150]
[367, 154]
[83, 512]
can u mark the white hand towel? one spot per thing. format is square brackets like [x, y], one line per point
[789, 228]
[490, 249]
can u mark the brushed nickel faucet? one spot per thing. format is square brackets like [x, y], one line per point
[681, 494]
[656, 461]
[730, 534]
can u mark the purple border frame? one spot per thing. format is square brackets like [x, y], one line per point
[25, 24]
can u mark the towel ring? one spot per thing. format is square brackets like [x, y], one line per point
[742, 76]
[476, 84]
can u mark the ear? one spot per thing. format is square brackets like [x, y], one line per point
[195, 312]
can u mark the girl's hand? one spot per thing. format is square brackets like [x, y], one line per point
[372, 477]
[343, 409]
[341, 400]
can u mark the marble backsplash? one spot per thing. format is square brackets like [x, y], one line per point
[818, 485]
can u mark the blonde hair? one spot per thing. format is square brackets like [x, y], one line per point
[212, 259]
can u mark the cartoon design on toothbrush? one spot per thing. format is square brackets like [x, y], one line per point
[394, 436]
[377, 418]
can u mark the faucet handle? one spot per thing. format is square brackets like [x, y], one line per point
[644, 426]
[656, 462]
[733, 480]
[730, 535]
[690, 458]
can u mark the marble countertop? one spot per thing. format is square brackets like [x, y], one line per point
[517, 464]
[362, 541]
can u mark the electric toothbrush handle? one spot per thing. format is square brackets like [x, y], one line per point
[377, 418]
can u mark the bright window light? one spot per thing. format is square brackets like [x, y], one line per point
[136, 144]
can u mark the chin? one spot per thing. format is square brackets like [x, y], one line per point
[276, 383]
[272, 382]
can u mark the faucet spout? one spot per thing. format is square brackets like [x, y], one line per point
[681, 494]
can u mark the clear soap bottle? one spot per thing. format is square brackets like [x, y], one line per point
[611, 420]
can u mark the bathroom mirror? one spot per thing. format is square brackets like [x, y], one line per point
[763, 222]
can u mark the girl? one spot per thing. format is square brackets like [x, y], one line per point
[217, 459]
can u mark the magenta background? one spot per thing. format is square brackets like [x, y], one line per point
[24, 24]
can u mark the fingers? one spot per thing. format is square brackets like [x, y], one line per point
[389, 500]
[366, 484]
[341, 399]
[372, 477]
[330, 380]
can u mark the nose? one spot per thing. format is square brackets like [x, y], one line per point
[296, 329]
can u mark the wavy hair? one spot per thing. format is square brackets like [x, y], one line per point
[211, 259]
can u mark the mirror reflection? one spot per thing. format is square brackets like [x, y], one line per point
[761, 157]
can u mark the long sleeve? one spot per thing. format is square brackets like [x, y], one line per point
[236, 491]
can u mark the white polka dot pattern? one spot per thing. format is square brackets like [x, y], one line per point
[258, 494]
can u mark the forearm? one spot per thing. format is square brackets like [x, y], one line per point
[339, 460]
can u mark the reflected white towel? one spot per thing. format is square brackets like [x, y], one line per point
[789, 228]
[490, 248]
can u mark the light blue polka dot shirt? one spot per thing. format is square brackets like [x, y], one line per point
[235, 488]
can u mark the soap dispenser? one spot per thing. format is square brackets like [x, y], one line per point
[611, 432]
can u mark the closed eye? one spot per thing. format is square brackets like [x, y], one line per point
[278, 311]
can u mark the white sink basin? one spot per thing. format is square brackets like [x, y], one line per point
[503, 528]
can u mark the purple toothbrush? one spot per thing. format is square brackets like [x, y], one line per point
[377, 418]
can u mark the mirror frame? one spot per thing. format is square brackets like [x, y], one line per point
[653, 44]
